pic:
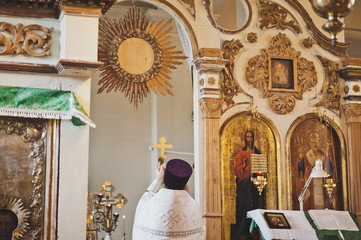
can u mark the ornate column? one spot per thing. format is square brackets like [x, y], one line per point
[351, 73]
[209, 66]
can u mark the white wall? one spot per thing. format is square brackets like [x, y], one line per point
[119, 145]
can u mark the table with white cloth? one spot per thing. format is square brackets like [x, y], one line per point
[302, 227]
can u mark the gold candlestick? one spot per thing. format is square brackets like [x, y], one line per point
[329, 185]
[260, 181]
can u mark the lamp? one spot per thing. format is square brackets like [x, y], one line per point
[333, 10]
[317, 172]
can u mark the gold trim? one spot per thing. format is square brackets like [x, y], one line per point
[33, 132]
[331, 87]
[16, 206]
[188, 26]
[189, 4]
[282, 97]
[207, 5]
[340, 135]
[273, 15]
[230, 87]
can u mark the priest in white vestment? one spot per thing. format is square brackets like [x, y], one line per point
[166, 211]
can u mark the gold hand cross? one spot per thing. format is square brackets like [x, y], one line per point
[162, 146]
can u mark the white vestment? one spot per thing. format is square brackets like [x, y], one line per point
[165, 214]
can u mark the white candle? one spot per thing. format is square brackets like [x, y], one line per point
[124, 224]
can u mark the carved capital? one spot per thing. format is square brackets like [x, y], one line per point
[211, 107]
[210, 60]
[351, 70]
[352, 112]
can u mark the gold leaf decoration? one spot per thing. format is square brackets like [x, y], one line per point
[16, 206]
[150, 69]
[330, 89]
[263, 72]
[230, 86]
[32, 39]
[273, 15]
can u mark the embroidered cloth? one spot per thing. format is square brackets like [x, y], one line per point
[42, 103]
[167, 214]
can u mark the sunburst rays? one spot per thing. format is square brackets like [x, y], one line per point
[113, 33]
[16, 205]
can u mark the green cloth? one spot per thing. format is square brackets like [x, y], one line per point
[331, 234]
[42, 103]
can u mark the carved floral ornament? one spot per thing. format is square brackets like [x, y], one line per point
[137, 56]
[281, 74]
[272, 15]
[32, 39]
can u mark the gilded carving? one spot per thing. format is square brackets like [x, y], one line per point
[346, 89]
[281, 74]
[331, 90]
[352, 110]
[153, 56]
[356, 88]
[272, 15]
[28, 139]
[211, 107]
[33, 39]
[308, 42]
[201, 82]
[229, 85]
[252, 37]
[211, 81]
[16, 206]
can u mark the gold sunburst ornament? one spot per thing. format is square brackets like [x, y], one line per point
[137, 56]
[16, 205]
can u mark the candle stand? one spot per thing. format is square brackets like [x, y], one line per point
[103, 217]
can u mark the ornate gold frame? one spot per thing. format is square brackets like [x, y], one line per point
[259, 74]
[339, 133]
[42, 138]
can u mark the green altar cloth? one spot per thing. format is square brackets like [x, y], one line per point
[42, 103]
[333, 234]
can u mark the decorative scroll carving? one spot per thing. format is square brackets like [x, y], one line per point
[34, 134]
[252, 37]
[33, 39]
[272, 15]
[189, 5]
[308, 42]
[229, 85]
[152, 68]
[331, 89]
[299, 74]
